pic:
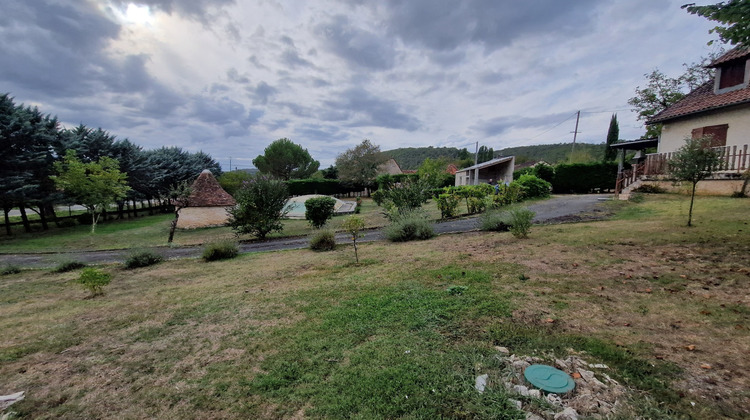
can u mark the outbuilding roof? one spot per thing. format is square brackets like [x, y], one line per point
[489, 163]
[208, 193]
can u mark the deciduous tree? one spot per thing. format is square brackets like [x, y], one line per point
[94, 185]
[734, 15]
[359, 165]
[260, 207]
[694, 162]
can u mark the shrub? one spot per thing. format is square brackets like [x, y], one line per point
[534, 186]
[323, 240]
[66, 266]
[220, 250]
[448, 205]
[142, 258]
[260, 207]
[408, 227]
[85, 219]
[475, 204]
[408, 195]
[94, 280]
[319, 210]
[496, 221]
[520, 222]
[358, 209]
[10, 269]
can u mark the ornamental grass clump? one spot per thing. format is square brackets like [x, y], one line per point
[408, 227]
[495, 221]
[142, 258]
[220, 250]
[67, 266]
[323, 240]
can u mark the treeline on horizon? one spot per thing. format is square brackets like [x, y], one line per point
[409, 158]
[32, 142]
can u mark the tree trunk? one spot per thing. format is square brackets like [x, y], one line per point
[7, 210]
[94, 219]
[24, 218]
[43, 217]
[150, 207]
[135, 208]
[173, 226]
[690, 212]
[120, 210]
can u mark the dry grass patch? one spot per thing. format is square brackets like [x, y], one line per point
[298, 334]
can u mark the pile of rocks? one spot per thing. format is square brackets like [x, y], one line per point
[596, 395]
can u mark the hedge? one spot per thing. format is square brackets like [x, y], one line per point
[582, 178]
[321, 186]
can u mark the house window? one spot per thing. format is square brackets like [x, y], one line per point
[718, 134]
[732, 74]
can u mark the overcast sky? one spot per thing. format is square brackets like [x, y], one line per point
[228, 77]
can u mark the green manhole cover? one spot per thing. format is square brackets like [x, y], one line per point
[549, 379]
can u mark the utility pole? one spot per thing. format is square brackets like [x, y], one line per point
[575, 133]
[230, 164]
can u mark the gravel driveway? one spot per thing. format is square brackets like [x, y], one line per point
[558, 209]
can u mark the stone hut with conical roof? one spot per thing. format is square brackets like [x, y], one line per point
[207, 204]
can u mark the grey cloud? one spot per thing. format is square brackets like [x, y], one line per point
[235, 76]
[261, 93]
[365, 109]
[316, 132]
[445, 25]
[218, 88]
[219, 111]
[500, 125]
[359, 47]
[292, 59]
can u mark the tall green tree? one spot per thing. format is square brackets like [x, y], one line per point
[694, 162]
[26, 156]
[613, 134]
[359, 165]
[485, 153]
[285, 160]
[734, 15]
[94, 185]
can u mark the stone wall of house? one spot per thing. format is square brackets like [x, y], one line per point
[724, 187]
[673, 134]
[197, 217]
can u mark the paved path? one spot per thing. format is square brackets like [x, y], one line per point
[558, 209]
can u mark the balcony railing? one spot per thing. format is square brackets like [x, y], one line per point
[732, 158]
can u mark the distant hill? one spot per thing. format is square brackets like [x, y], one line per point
[409, 158]
[552, 153]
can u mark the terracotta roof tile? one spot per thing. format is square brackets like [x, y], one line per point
[208, 193]
[702, 99]
[733, 54]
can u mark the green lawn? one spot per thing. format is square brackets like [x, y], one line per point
[298, 334]
[152, 231]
